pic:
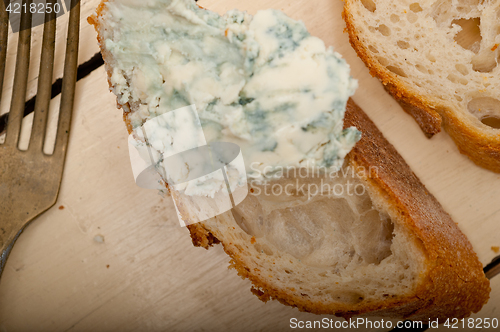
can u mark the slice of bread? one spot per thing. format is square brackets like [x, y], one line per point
[390, 252]
[369, 240]
[440, 61]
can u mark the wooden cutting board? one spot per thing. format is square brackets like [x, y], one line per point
[145, 275]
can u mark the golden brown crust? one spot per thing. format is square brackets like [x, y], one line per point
[94, 20]
[201, 237]
[456, 276]
[483, 149]
[454, 273]
[428, 119]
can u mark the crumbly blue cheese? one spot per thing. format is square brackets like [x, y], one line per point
[262, 82]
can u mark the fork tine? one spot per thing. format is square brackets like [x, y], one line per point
[43, 94]
[20, 79]
[4, 35]
[69, 80]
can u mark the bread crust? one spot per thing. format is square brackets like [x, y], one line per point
[481, 147]
[453, 274]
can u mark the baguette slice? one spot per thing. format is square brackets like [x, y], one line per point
[384, 247]
[438, 64]
[392, 252]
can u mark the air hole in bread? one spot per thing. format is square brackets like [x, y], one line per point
[369, 4]
[248, 215]
[491, 121]
[470, 36]
[394, 18]
[485, 61]
[403, 45]
[360, 203]
[373, 49]
[455, 79]
[380, 229]
[383, 61]
[330, 231]
[457, 97]
[264, 249]
[347, 297]
[430, 57]
[415, 7]
[452, 78]
[487, 110]
[384, 30]
[411, 17]
[462, 69]
[396, 70]
[421, 68]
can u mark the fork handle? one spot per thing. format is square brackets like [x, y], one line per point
[6, 249]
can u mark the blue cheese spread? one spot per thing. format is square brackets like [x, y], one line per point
[262, 82]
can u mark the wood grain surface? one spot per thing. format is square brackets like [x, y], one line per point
[146, 275]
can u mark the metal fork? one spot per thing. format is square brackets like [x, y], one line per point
[30, 180]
